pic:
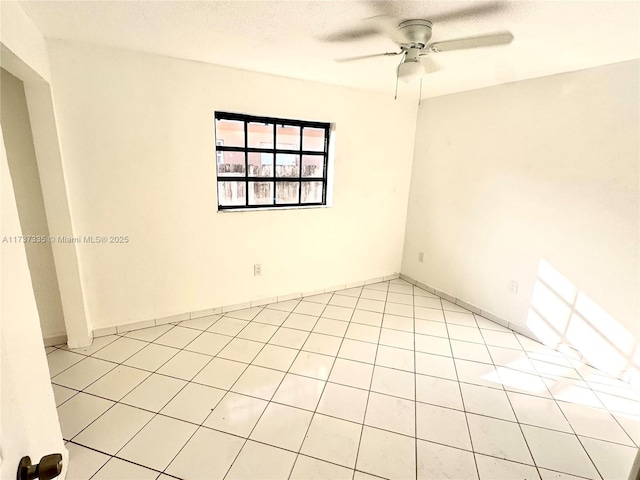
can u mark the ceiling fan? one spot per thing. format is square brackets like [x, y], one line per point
[412, 36]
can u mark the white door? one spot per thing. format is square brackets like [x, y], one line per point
[28, 418]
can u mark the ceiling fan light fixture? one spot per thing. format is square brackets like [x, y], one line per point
[410, 72]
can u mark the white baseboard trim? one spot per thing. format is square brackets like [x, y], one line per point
[104, 331]
[55, 340]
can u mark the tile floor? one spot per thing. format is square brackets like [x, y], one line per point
[385, 381]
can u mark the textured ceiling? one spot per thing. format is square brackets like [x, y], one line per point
[284, 37]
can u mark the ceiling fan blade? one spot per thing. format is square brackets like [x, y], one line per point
[430, 65]
[388, 25]
[489, 40]
[471, 11]
[350, 35]
[362, 57]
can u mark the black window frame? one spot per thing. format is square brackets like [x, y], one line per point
[275, 150]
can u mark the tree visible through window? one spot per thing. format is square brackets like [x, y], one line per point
[270, 162]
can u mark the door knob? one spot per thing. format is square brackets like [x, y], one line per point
[49, 467]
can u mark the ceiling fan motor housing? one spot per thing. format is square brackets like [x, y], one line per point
[417, 32]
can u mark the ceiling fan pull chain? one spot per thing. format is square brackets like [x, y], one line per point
[395, 97]
[420, 95]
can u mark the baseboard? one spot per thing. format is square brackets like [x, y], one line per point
[104, 331]
[473, 308]
[55, 340]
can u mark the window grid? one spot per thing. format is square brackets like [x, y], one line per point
[246, 119]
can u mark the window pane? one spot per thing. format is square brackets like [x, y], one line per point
[231, 193]
[260, 135]
[313, 139]
[230, 164]
[260, 193]
[230, 133]
[287, 192]
[312, 165]
[311, 192]
[287, 165]
[288, 137]
[260, 164]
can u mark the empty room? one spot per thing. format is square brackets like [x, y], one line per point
[320, 239]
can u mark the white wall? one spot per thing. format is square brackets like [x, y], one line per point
[29, 423]
[25, 178]
[137, 138]
[538, 182]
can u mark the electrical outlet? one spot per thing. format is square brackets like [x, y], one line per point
[512, 287]
[421, 256]
[257, 270]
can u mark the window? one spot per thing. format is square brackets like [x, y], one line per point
[265, 162]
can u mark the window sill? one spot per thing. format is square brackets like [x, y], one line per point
[271, 209]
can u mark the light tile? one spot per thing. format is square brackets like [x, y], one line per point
[498, 438]
[366, 317]
[465, 333]
[438, 461]
[185, 365]
[501, 339]
[558, 451]
[158, 442]
[96, 344]
[118, 382]
[343, 402]
[62, 394]
[354, 374]
[300, 321]
[208, 343]
[288, 337]
[301, 392]
[402, 298]
[403, 288]
[220, 373]
[397, 322]
[442, 425]
[486, 401]
[435, 365]
[154, 393]
[261, 462]
[460, 318]
[60, 360]
[350, 292]
[284, 306]
[79, 411]
[258, 382]
[307, 468]
[380, 286]
[278, 358]
[333, 440]
[611, 460]
[241, 350]
[433, 345]
[391, 413]
[312, 365]
[592, 422]
[470, 351]
[499, 469]
[178, 337]
[398, 309]
[217, 449]
[151, 357]
[282, 426]
[331, 327]
[517, 381]
[338, 313]
[200, 323]
[363, 333]
[373, 294]
[309, 308]
[149, 334]
[322, 298]
[120, 350]
[228, 326]
[386, 454]
[395, 338]
[271, 317]
[84, 462]
[370, 305]
[631, 425]
[236, 414]
[116, 469]
[393, 382]
[244, 314]
[447, 306]
[193, 403]
[538, 411]
[359, 351]
[395, 358]
[260, 332]
[114, 429]
[425, 313]
[324, 344]
[83, 374]
[438, 391]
